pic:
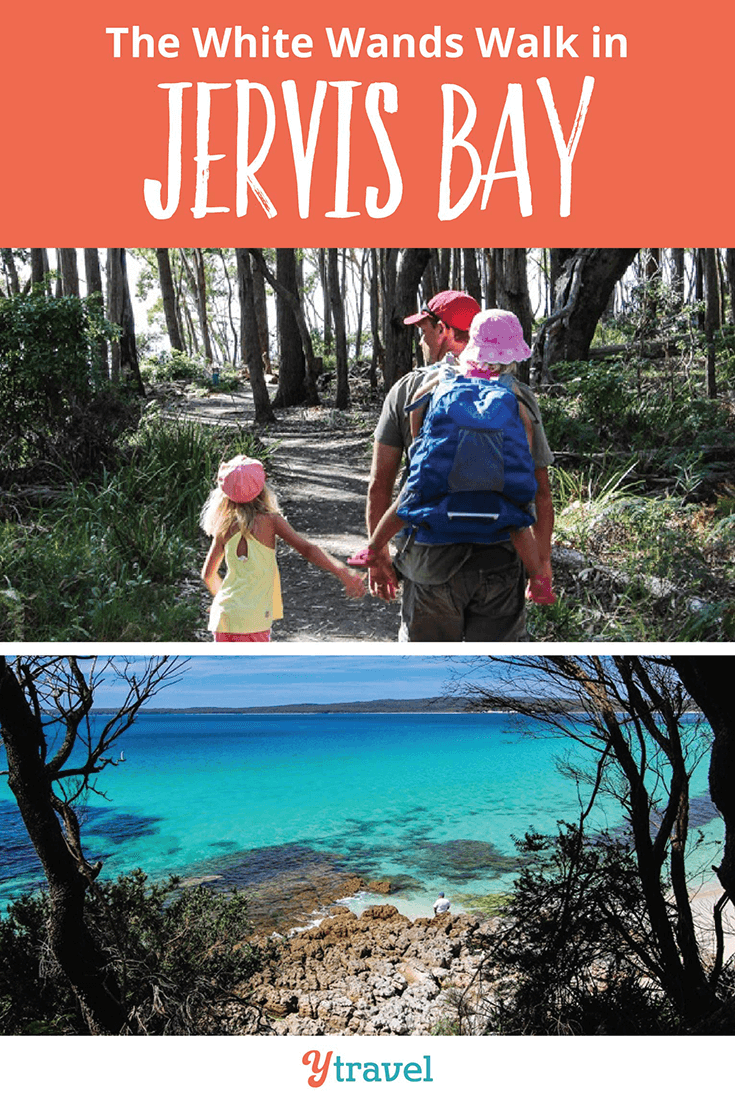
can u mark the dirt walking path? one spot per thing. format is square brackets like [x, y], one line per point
[320, 472]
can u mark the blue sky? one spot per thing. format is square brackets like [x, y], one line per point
[244, 682]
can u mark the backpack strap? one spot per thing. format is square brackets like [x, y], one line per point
[420, 403]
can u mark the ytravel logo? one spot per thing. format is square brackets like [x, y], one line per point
[367, 1071]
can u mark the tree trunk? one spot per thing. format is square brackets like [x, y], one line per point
[730, 269]
[708, 679]
[491, 279]
[711, 316]
[342, 398]
[677, 282]
[200, 276]
[39, 268]
[512, 294]
[403, 278]
[445, 263]
[292, 368]
[196, 278]
[580, 296]
[326, 298]
[168, 295]
[377, 360]
[288, 299]
[230, 319]
[261, 315]
[557, 259]
[124, 358]
[699, 285]
[472, 283]
[250, 340]
[361, 303]
[93, 272]
[69, 272]
[653, 263]
[71, 942]
[11, 270]
[93, 275]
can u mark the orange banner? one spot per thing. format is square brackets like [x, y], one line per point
[384, 124]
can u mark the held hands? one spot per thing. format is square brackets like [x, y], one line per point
[382, 576]
[353, 583]
[383, 580]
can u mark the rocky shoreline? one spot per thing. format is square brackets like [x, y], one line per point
[376, 974]
[331, 971]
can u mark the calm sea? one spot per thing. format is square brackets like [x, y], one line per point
[431, 802]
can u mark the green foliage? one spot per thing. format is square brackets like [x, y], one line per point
[172, 366]
[53, 387]
[637, 490]
[32, 1000]
[177, 367]
[725, 353]
[176, 954]
[599, 406]
[663, 565]
[107, 559]
[564, 958]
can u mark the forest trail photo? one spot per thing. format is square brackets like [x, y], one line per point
[123, 389]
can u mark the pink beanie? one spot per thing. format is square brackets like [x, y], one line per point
[241, 479]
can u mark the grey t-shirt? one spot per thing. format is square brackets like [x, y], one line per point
[434, 564]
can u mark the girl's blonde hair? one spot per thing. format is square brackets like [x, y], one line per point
[220, 512]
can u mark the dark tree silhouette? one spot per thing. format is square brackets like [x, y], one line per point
[55, 755]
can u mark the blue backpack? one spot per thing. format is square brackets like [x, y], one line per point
[471, 470]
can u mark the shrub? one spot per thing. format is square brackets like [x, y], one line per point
[171, 366]
[560, 961]
[51, 368]
[176, 955]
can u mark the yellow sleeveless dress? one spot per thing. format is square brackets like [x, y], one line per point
[250, 597]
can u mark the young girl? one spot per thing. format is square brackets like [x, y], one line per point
[241, 515]
[495, 338]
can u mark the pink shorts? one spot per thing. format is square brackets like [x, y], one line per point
[249, 637]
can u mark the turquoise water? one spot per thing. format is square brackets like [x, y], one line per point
[430, 801]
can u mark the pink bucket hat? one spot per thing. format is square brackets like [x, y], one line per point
[241, 479]
[496, 337]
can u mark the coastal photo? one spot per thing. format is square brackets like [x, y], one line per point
[223, 444]
[373, 845]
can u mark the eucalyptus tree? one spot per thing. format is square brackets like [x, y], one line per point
[712, 315]
[402, 273]
[336, 303]
[69, 272]
[39, 268]
[124, 350]
[168, 297]
[250, 338]
[11, 271]
[56, 754]
[632, 715]
[288, 297]
[581, 293]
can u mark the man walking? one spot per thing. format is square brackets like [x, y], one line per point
[461, 591]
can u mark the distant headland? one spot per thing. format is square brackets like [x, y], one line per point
[422, 704]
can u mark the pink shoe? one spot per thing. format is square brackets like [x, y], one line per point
[539, 591]
[365, 557]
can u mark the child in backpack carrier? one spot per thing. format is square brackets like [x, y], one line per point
[495, 338]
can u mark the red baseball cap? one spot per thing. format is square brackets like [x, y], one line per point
[454, 308]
